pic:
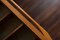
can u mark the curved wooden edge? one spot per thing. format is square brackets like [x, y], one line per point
[46, 34]
[21, 17]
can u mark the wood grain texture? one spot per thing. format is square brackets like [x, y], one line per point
[46, 13]
[22, 18]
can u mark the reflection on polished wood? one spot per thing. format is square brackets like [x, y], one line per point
[46, 13]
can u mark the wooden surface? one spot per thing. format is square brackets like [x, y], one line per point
[24, 33]
[23, 19]
[10, 24]
[45, 12]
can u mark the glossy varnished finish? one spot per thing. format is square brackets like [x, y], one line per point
[22, 18]
[45, 12]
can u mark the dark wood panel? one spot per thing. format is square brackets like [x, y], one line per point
[24, 33]
[9, 25]
[4, 11]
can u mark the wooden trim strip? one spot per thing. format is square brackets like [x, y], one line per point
[23, 19]
[42, 30]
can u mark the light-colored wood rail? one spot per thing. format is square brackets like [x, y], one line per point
[46, 36]
[42, 30]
